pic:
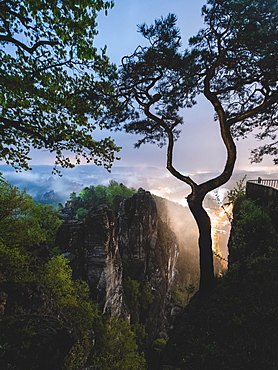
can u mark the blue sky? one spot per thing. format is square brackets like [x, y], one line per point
[200, 148]
[119, 28]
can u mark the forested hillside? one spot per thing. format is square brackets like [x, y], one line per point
[52, 319]
[97, 282]
[48, 319]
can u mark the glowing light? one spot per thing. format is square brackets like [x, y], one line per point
[220, 224]
[183, 202]
[163, 192]
[220, 220]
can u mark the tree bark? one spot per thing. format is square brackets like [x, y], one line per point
[199, 191]
[202, 219]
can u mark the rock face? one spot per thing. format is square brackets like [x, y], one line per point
[149, 249]
[92, 249]
[70, 239]
[102, 260]
[105, 251]
[138, 232]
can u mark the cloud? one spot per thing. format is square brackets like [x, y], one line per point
[153, 178]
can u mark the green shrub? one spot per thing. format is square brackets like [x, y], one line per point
[81, 214]
[118, 349]
[138, 298]
[78, 355]
[14, 265]
[159, 344]
[23, 223]
[253, 233]
[72, 296]
[182, 295]
[146, 296]
[238, 192]
[140, 334]
[133, 297]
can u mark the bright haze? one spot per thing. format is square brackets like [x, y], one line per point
[199, 151]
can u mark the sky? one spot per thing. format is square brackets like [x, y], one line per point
[200, 150]
[200, 147]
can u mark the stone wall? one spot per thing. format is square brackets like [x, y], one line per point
[264, 196]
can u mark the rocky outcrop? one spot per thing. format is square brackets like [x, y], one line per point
[102, 260]
[138, 232]
[70, 240]
[34, 332]
[107, 250]
[92, 249]
[149, 249]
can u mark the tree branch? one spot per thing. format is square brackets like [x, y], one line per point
[225, 135]
[17, 125]
[169, 132]
[252, 112]
[5, 8]
[25, 47]
[42, 69]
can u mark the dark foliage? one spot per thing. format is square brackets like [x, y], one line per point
[237, 326]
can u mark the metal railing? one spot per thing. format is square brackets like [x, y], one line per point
[264, 192]
[272, 183]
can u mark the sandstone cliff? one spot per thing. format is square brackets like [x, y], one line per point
[92, 248]
[137, 244]
[149, 249]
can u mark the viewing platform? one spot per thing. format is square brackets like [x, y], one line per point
[264, 192]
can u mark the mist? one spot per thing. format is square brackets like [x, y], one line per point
[159, 182]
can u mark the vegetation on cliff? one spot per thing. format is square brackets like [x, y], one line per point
[89, 197]
[27, 264]
[236, 327]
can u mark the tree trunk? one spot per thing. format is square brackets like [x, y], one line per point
[202, 219]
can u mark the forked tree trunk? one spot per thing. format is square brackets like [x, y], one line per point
[202, 219]
[199, 191]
